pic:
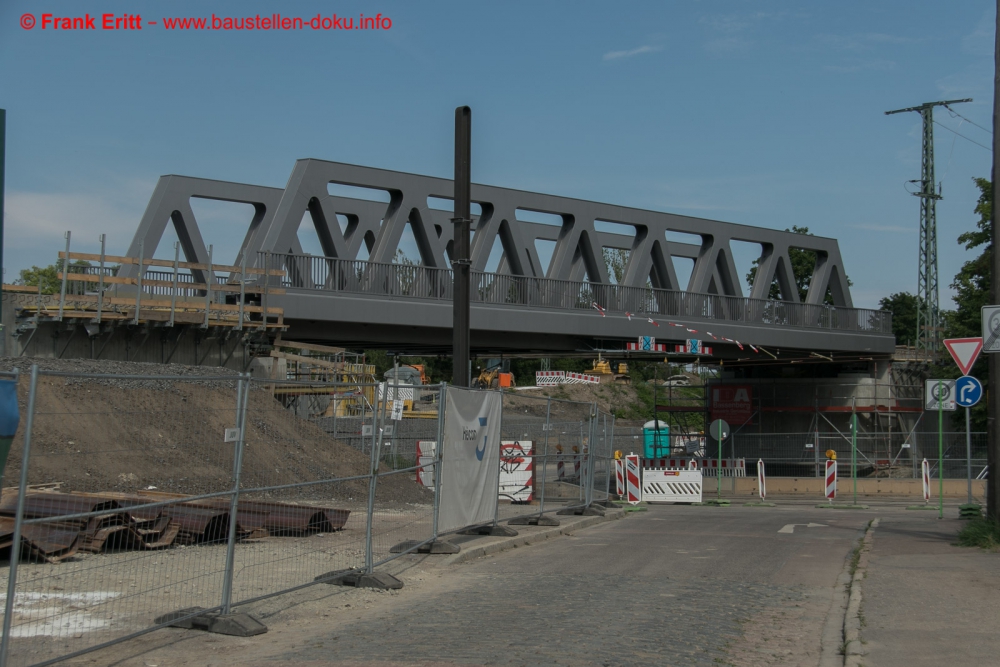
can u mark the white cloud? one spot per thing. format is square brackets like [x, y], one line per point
[618, 55]
[35, 223]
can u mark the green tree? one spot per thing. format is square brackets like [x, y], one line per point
[903, 307]
[972, 292]
[49, 277]
[803, 265]
[616, 259]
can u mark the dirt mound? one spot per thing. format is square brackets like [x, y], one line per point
[610, 399]
[121, 434]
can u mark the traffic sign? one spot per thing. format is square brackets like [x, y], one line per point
[968, 391]
[991, 328]
[964, 351]
[719, 429]
[939, 395]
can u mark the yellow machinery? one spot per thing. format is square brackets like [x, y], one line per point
[603, 369]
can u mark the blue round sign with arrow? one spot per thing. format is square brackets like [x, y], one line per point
[968, 391]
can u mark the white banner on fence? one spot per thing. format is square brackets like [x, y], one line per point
[470, 458]
[516, 470]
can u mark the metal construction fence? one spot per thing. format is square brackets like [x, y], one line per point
[896, 455]
[134, 502]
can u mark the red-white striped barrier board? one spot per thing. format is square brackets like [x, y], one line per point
[671, 486]
[516, 470]
[619, 477]
[712, 467]
[761, 490]
[831, 479]
[426, 451]
[548, 378]
[633, 488]
[925, 474]
[652, 347]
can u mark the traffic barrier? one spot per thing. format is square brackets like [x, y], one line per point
[671, 486]
[761, 490]
[619, 477]
[727, 468]
[426, 451]
[549, 378]
[925, 475]
[633, 487]
[516, 470]
[831, 479]
[560, 464]
[576, 461]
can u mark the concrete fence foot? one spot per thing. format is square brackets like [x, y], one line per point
[382, 581]
[492, 531]
[236, 625]
[435, 547]
[543, 520]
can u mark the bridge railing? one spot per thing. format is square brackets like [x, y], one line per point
[421, 282]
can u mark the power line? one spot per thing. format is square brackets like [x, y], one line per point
[963, 136]
[955, 113]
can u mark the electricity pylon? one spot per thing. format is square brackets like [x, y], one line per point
[928, 311]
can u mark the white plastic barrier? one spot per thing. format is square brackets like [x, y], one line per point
[516, 470]
[426, 452]
[671, 486]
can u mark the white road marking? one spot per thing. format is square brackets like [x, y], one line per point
[790, 527]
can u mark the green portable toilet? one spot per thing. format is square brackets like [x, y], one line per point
[655, 439]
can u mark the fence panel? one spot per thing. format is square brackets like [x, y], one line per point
[109, 459]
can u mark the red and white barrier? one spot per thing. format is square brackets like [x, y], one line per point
[761, 490]
[619, 477]
[925, 475]
[550, 378]
[633, 487]
[671, 486]
[516, 470]
[831, 479]
[426, 451]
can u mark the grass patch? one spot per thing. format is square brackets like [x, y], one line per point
[981, 532]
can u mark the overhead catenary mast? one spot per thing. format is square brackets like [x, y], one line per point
[928, 309]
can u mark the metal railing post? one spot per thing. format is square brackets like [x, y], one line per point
[209, 284]
[173, 289]
[65, 272]
[242, 394]
[100, 284]
[15, 548]
[438, 457]
[138, 285]
[545, 455]
[376, 455]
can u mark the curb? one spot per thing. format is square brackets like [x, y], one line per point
[525, 540]
[853, 651]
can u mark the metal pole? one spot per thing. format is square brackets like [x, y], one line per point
[460, 258]
[940, 452]
[968, 453]
[545, 455]
[438, 456]
[65, 272]
[718, 469]
[3, 151]
[496, 508]
[209, 279]
[15, 548]
[376, 456]
[854, 447]
[173, 289]
[100, 285]
[993, 397]
[242, 393]
[138, 285]
[243, 291]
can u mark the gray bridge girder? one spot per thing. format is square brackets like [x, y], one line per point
[577, 256]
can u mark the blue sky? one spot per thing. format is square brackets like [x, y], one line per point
[762, 113]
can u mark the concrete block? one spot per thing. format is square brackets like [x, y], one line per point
[236, 625]
[380, 580]
[492, 531]
[543, 520]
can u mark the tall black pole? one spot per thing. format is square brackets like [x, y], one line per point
[3, 151]
[993, 385]
[460, 249]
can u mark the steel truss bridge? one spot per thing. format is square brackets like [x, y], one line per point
[340, 299]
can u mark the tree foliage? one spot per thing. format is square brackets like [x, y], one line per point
[616, 259]
[803, 265]
[972, 292]
[903, 307]
[48, 277]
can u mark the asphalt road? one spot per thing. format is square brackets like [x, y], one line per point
[675, 585]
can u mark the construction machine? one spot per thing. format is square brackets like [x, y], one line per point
[608, 373]
[495, 375]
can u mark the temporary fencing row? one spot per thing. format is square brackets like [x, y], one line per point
[144, 500]
[139, 497]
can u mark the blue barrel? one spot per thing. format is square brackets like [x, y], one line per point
[655, 439]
